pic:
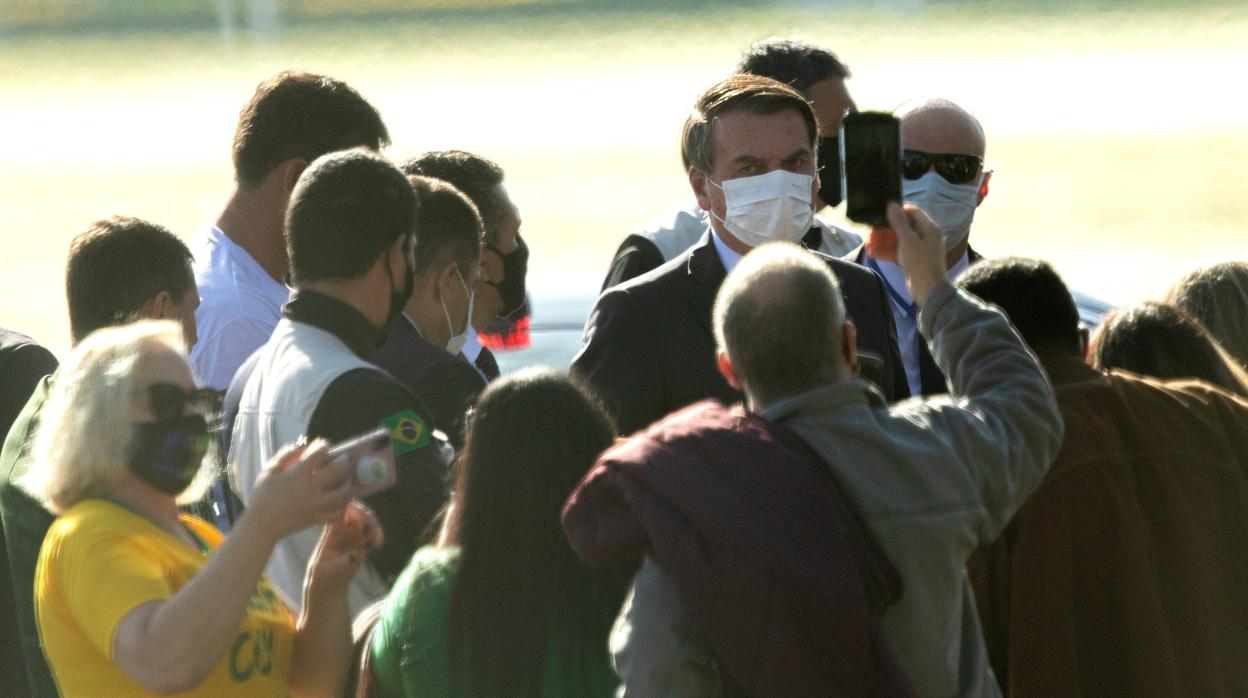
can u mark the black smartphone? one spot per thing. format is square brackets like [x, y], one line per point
[870, 165]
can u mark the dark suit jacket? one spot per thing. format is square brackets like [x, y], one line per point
[445, 383]
[931, 379]
[649, 348]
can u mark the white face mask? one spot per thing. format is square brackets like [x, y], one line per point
[951, 206]
[767, 207]
[456, 343]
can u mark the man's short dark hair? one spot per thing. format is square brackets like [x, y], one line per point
[117, 266]
[449, 228]
[471, 174]
[301, 115]
[346, 209]
[1033, 296]
[776, 292]
[794, 63]
[747, 93]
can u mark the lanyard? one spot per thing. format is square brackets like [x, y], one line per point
[909, 308]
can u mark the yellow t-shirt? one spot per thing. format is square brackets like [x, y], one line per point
[100, 561]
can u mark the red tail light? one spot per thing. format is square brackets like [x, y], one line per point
[516, 336]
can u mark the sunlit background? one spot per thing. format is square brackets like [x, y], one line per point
[1116, 130]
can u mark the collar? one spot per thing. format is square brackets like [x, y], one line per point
[410, 321]
[895, 279]
[337, 318]
[728, 257]
[850, 392]
[472, 346]
[1066, 369]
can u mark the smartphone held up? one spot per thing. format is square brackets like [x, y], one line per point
[372, 461]
[870, 165]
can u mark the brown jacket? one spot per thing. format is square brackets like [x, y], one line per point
[1125, 572]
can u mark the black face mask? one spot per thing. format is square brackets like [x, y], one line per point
[167, 454]
[515, 267]
[400, 297]
[830, 170]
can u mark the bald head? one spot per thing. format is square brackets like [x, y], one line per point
[940, 126]
[777, 293]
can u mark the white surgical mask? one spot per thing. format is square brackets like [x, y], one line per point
[767, 207]
[456, 343]
[951, 206]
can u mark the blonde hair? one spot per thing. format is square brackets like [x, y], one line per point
[79, 449]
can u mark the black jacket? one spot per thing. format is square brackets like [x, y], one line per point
[649, 348]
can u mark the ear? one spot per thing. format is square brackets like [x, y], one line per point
[1086, 343]
[983, 188]
[291, 169]
[697, 180]
[849, 346]
[727, 371]
[446, 277]
[157, 307]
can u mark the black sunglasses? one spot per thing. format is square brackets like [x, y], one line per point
[170, 401]
[956, 169]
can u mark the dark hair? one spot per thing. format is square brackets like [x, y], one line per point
[775, 288]
[1162, 341]
[346, 209]
[1217, 295]
[1034, 298]
[747, 93]
[449, 226]
[472, 174]
[116, 266]
[792, 62]
[521, 592]
[301, 115]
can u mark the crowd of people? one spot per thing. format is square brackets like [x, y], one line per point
[846, 465]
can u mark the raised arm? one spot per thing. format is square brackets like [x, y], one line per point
[172, 645]
[1002, 417]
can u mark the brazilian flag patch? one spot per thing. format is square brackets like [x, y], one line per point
[407, 430]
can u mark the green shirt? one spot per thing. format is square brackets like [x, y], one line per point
[409, 644]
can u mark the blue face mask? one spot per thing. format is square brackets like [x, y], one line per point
[167, 454]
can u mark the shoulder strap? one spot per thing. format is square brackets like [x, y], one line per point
[881, 582]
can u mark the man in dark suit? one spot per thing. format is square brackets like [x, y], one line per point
[648, 347]
[423, 344]
[943, 173]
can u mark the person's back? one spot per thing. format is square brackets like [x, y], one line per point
[22, 364]
[1122, 573]
[933, 478]
[502, 606]
[313, 378]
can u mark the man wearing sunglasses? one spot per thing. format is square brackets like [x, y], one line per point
[119, 270]
[943, 173]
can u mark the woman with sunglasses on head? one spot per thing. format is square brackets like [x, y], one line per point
[133, 597]
[502, 606]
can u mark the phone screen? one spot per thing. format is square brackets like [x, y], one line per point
[870, 165]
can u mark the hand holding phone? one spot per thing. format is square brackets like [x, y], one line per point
[372, 462]
[870, 165]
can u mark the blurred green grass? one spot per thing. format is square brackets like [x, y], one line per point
[1114, 132]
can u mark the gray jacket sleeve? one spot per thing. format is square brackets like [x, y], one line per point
[655, 648]
[1001, 417]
